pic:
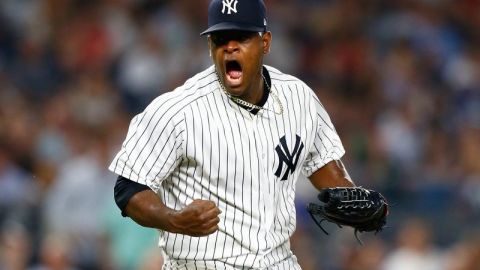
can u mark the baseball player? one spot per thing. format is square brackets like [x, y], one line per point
[213, 164]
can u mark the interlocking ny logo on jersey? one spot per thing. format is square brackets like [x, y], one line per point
[290, 159]
[230, 6]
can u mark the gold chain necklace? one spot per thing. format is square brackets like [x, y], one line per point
[251, 106]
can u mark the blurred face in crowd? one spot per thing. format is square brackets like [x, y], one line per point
[238, 59]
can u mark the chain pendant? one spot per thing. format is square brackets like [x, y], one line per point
[251, 106]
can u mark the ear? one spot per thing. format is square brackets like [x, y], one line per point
[209, 45]
[266, 39]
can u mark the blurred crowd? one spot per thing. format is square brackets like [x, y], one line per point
[400, 79]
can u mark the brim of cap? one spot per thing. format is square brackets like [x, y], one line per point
[231, 26]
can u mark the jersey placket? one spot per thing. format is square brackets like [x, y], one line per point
[253, 124]
[266, 187]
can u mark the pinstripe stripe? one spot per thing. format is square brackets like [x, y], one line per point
[195, 143]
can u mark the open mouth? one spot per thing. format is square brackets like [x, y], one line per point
[234, 73]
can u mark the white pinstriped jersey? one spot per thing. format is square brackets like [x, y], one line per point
[196, 143]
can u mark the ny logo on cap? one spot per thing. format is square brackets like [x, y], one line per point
[231, 5]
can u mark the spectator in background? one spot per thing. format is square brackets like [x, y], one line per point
[465, 255]
[141, 73]
[152, 260]
[415, 249]
[79, 190]
[55, 254]
[18, 192]
[367, 257]
[124, 236]
[15, 247]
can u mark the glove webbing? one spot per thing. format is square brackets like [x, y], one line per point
[314, 209]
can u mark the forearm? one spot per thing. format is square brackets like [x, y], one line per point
[198, 218]
[148, 210]
[333, 174]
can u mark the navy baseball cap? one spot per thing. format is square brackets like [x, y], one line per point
[246, 15]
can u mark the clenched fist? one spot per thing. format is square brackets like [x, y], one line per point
[199, 218]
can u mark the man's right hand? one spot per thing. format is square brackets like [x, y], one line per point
[199, 218]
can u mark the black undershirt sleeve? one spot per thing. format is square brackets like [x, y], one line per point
[124, 190]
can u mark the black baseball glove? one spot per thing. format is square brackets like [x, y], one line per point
[364, 210]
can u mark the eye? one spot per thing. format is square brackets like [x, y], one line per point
[222, 38]
[218, 40]
[243, 37]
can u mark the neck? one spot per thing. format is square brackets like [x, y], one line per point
[254, 107]
[256, 91]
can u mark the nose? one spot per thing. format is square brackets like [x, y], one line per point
[231, 46]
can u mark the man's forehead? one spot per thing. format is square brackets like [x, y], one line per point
[233, 33]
